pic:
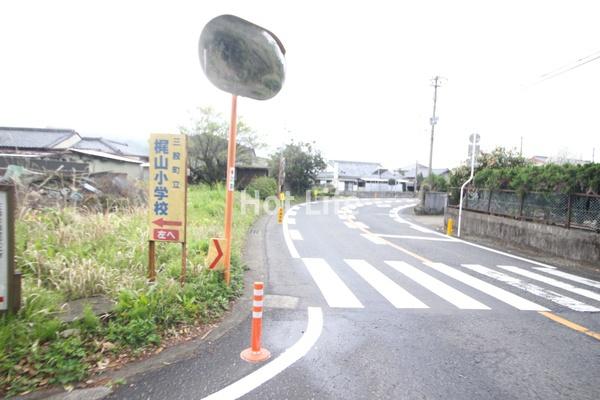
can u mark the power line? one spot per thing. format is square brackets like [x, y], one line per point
[569, 67]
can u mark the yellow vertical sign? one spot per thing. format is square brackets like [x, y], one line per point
[168, 187]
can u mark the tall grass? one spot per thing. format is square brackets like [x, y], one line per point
[66, 254]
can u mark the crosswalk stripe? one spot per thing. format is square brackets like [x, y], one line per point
[334, 290]
[551, 281]
[533, 289]
[373, 238]
[571, 277]
[295, 234]
[489, 289]
[394, 293]
[446, 292]
[291, 221]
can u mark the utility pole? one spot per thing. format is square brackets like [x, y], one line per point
[416, 172]
[437, 81]
[521, 151]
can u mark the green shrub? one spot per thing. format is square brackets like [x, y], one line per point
[64, 361]
[264, 185]
[135, 333]
[89, 321]
[67, 254]
[46, 330]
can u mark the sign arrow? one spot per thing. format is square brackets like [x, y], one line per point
[162, 222]
[213, 264]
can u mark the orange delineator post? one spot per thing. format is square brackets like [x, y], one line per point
[255, 353]
[231, 149]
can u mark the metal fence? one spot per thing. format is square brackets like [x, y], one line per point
[570, 210]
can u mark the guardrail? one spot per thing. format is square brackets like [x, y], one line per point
[581, 211]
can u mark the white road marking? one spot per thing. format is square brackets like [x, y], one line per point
[288, 240]
[383, 206]
[350, 225]
[438, 239]
[334, 290]
[394, 293]
[361, 225]
[478, 245]
[291, 213]
[446, 292]
[420, 228]
[287, 358]
[295, 234]
[551, 281]
[373, 238]
[571, 277]
[491, 290]
[533, 289]
[291, 221]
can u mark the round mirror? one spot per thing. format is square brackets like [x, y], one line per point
[242, 58]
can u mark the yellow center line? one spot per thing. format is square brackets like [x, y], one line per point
[547, 314]
[570, 324]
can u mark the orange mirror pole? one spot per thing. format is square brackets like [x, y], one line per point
[231, 148]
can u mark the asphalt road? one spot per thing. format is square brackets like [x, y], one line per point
[407, 313]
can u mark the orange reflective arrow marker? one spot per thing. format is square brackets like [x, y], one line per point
[215, 253]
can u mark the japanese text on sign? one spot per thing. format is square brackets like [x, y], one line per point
[168, 183]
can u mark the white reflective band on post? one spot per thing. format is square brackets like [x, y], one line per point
[257, 303]
[258, 292]
[256, 314]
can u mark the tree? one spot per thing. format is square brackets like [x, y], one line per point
[302, 165]
[489, 166]
[207, 153]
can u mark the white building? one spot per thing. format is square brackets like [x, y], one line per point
[359, 176]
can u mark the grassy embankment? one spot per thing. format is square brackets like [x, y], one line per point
[68, 254]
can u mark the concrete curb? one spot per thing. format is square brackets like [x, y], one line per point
[253, 257]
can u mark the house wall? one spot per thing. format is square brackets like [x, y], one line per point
[133, 170]
[381, 187]
[369, 195]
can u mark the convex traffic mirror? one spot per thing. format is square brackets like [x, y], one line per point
[242, 58]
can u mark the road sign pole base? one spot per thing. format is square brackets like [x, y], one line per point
[255, 356]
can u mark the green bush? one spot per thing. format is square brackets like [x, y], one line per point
[566, 178]
[264, 185]
[66, 254]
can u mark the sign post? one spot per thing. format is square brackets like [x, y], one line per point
[167, 198]
[10, 282]
[231, 150]
[473, 150]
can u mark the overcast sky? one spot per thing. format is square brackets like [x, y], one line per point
[358, 73]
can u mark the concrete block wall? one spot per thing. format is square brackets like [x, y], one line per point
[549, 240]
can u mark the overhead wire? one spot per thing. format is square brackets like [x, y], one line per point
[569, 67]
